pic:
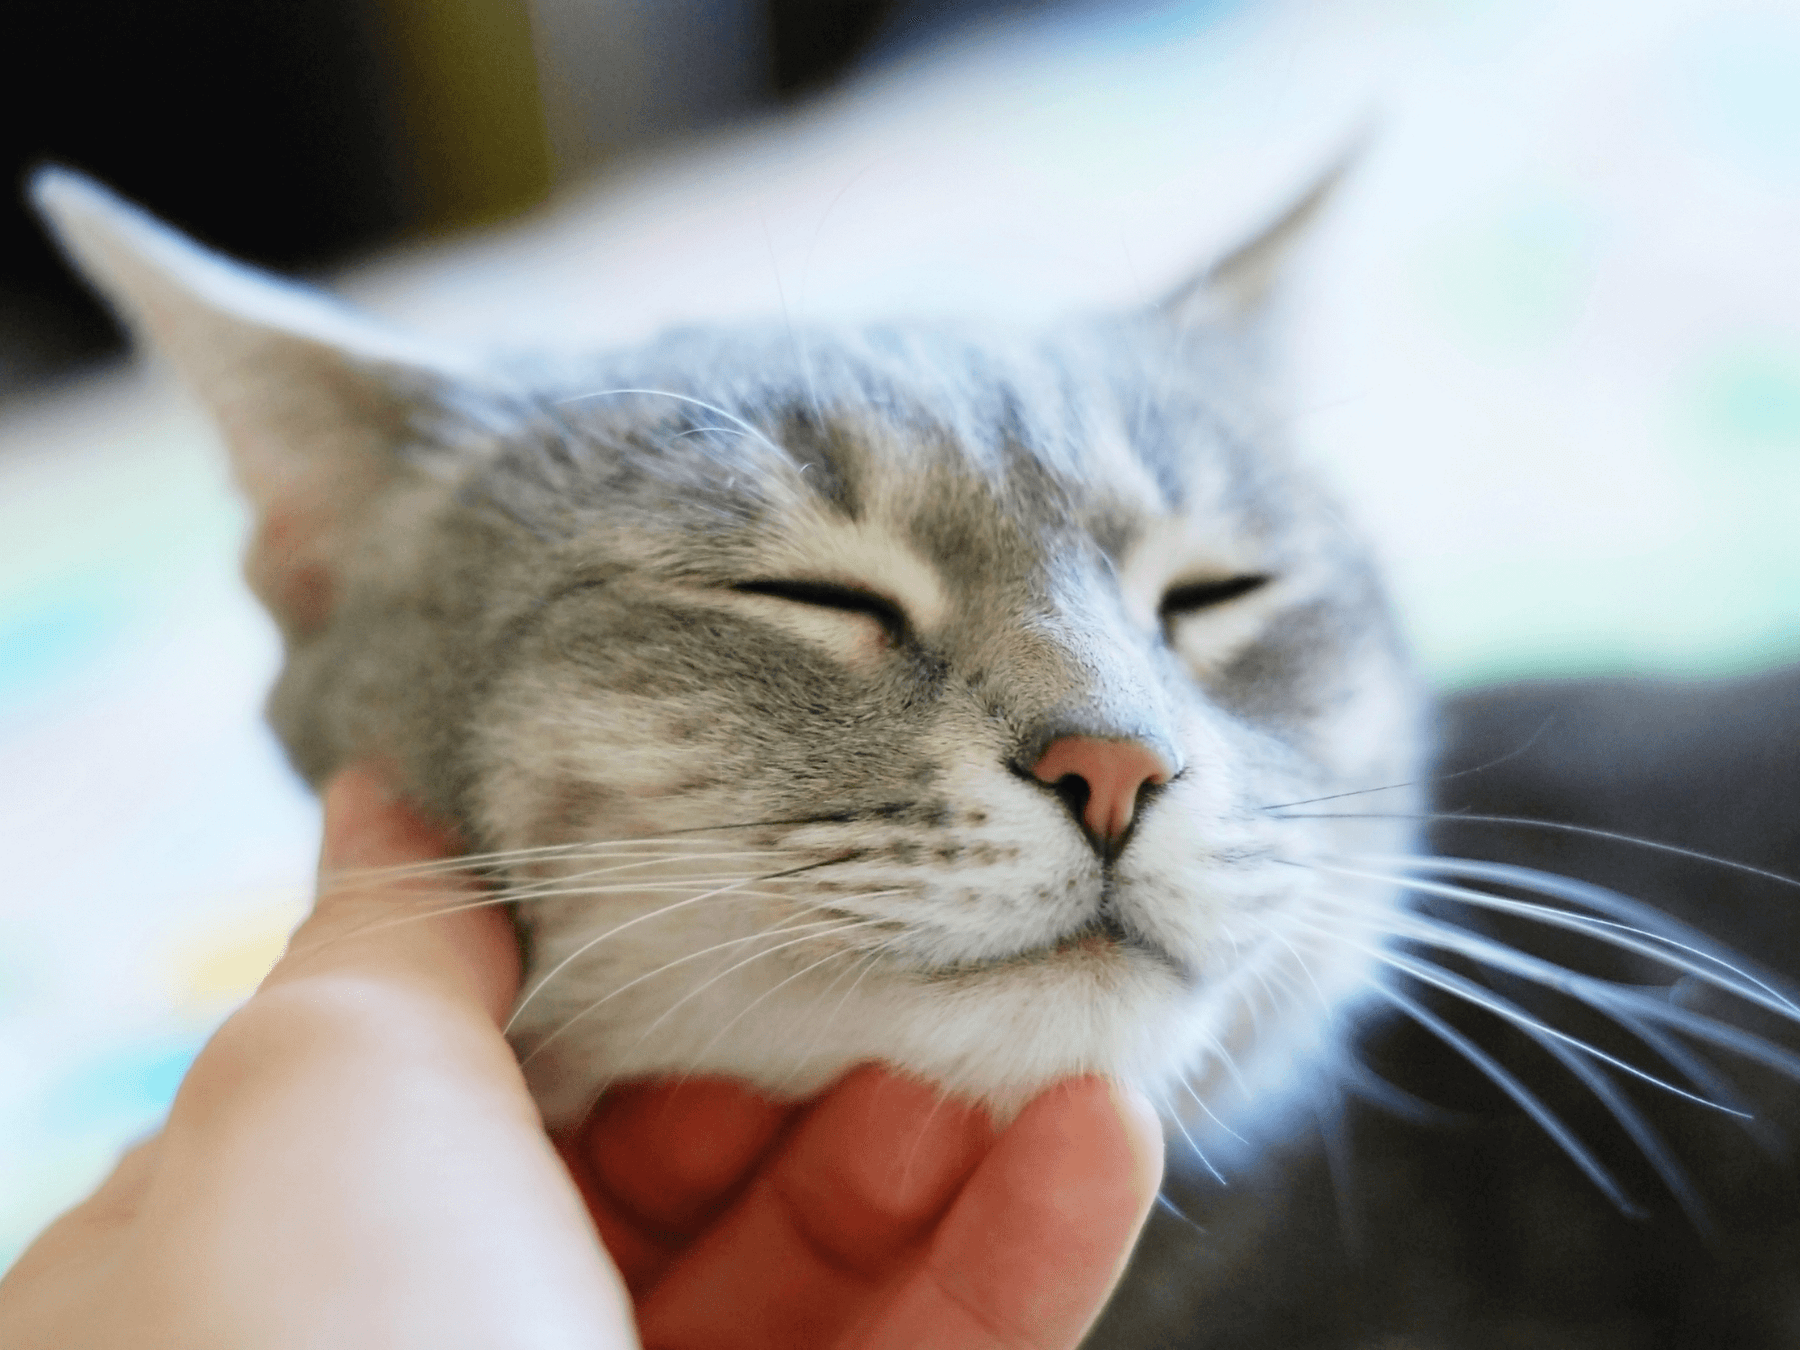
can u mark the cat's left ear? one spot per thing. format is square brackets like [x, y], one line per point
[314, 400]
[1236, 290]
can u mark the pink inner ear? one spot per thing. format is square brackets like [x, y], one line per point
[285, 571]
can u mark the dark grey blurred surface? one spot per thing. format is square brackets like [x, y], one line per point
[1475, 1230]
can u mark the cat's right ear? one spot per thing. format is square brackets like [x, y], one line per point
[1236, 290]
[313, 399]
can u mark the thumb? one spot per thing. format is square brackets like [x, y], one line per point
[392, 906]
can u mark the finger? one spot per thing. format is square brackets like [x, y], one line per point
[429, 931]
[1041, 1233]
[661, 1160]
[858, 1182]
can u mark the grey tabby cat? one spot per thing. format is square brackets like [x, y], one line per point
[914, 693]
[974, 700]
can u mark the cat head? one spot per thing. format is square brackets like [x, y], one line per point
[914, 692]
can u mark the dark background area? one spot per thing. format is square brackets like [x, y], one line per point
[295, 133]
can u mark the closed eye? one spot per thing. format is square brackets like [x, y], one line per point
[1192, 596]
[825, 595]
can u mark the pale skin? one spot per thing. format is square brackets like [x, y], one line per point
[354, 1161]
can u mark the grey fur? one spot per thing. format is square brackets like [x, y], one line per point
[527, 607]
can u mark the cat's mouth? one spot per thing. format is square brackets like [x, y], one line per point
[1103, 939]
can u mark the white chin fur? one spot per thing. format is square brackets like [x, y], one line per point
[998, 1036]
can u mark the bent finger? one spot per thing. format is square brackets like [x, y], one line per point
[1040, 1234]
[660, 1160]
[842, 1203]
[383, 909]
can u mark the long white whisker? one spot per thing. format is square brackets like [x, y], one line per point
[1498, 1075]
[1609, 998]
[594, 942]
[745, 1010]
[1673, 954]
[1570, 1053]
[697, 990]
[1526, 822]
[560, 888]
[871, 959]
[1629, 915]
[1231, 1065]
[666, 967]
[1705, 1077]
[1200, 1102]
[1170, 1113]
[690, 845]
[1495, 1003]
[418, 909]
[1601, 995]
[741, 889]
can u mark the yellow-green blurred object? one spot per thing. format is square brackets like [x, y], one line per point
[468, 115]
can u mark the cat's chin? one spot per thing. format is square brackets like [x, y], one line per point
[1088, 1004]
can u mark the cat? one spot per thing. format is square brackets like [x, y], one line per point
[913, 693]
[999, 704]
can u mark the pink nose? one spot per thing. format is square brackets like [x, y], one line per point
[1114, 773]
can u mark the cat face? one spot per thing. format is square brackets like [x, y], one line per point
[915, 693]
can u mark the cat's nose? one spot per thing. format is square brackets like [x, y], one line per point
[1099, 780]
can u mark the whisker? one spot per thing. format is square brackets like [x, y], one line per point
[1162, 1200]
[493, 898]
[1622, 936]
[1564, 1048]
[1357, 1077]
[840, 817]
[1200, 1102]
[560, 888]
[1560, 827]
[1171, 1114]
[1708, 1080]
[1325, 1004]
[1231, 1065]
[1419, 782]
[614, 931]
[1497, 1074]
[1602, 995]
[734, 886]
[713, 408]
[1704, 1028]
[870, 960]
[1609, 998]
[697, 990]
[1633, 916]
[1335, 1145]
[668, 966]
[495, 861]
[1578, 987]
[743, 1012]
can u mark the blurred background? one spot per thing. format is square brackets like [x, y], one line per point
[1548, 344]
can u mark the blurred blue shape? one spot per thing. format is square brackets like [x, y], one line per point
[46, 643]
[127, 1090]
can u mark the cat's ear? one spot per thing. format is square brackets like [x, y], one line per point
[1236, 289]
[313, 400]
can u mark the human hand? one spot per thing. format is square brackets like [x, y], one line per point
[354, 1160]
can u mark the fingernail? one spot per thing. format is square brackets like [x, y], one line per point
[1143, 1129]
